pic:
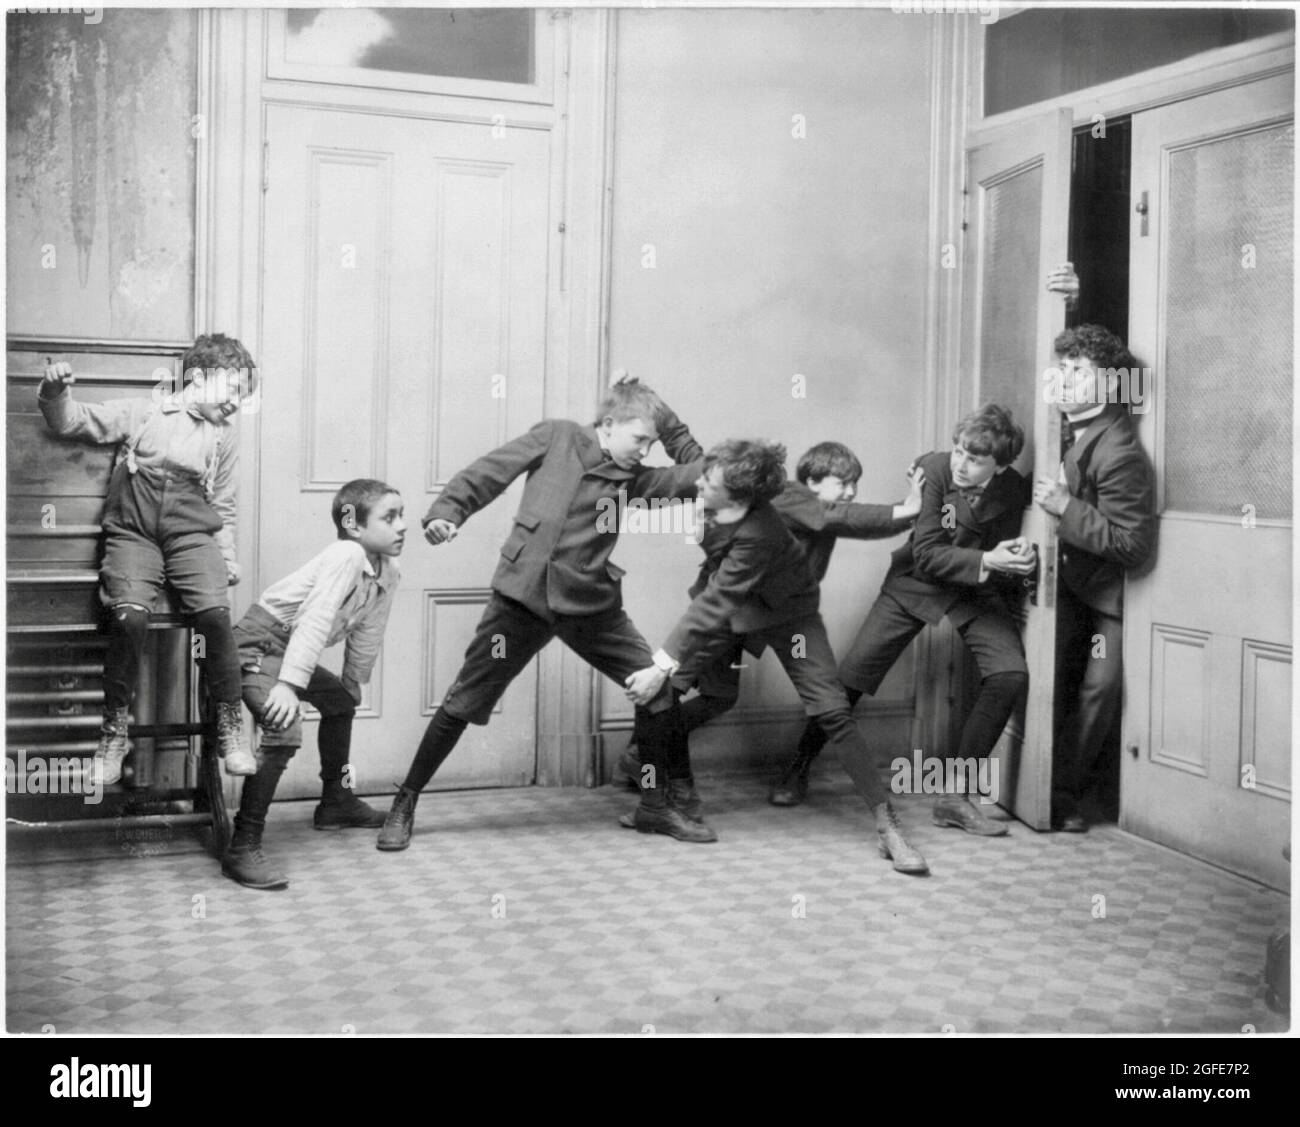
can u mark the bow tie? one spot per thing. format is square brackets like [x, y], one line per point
[972, 495]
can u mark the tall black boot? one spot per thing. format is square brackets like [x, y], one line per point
[662, 739]
[127, 625]
[696, 712]
[221, 674]
[440, 737]
[396, 834]
[244, 860]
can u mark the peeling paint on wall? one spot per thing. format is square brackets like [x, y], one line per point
[100, 176]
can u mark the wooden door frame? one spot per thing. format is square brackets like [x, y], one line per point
[1024, 757]
[938, 650]
[1201, 73]
[229, 131]
[957, 72]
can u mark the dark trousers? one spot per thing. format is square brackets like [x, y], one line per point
[718, 687]
[993, 640]
[802, 647]
[1090, 674]
[508, 637]
[158, 528]
[262, 642]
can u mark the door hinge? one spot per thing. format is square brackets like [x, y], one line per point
[1144, 210]
[266, 165]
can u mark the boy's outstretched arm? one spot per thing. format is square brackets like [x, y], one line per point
[711, 610]
[679, 443]
[674, 481]
[863, 520]
[485, 479]
[910, 507]
[110, 422]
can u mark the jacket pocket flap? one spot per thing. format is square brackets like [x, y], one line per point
[527, 520]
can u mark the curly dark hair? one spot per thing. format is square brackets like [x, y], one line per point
[753, 471]
[1097, 343]
[216, 350]
[991, 430]
[828, 458]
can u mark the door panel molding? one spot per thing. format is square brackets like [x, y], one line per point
[356, 350]
[1176, 749]
[1266, 679]
[469, 309]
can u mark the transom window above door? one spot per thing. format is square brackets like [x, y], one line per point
[501, 53]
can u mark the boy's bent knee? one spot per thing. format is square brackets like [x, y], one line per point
[832, 719]
[131, 617]
[280, 740]
[337, 706]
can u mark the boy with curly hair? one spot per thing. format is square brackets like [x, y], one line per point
[1103, 498]
[754, 588]
[819, 509]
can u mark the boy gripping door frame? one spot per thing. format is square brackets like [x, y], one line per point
[1017, 208]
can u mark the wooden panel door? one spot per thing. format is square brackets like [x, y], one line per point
[1207, 632]
[1019, 194]
[403, 336]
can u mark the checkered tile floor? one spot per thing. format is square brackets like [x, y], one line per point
[531, 911]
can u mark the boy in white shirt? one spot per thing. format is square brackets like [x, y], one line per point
[344, 592]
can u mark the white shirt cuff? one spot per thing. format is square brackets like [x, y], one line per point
[666, 663]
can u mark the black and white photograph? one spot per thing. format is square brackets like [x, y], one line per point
[651, 520]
